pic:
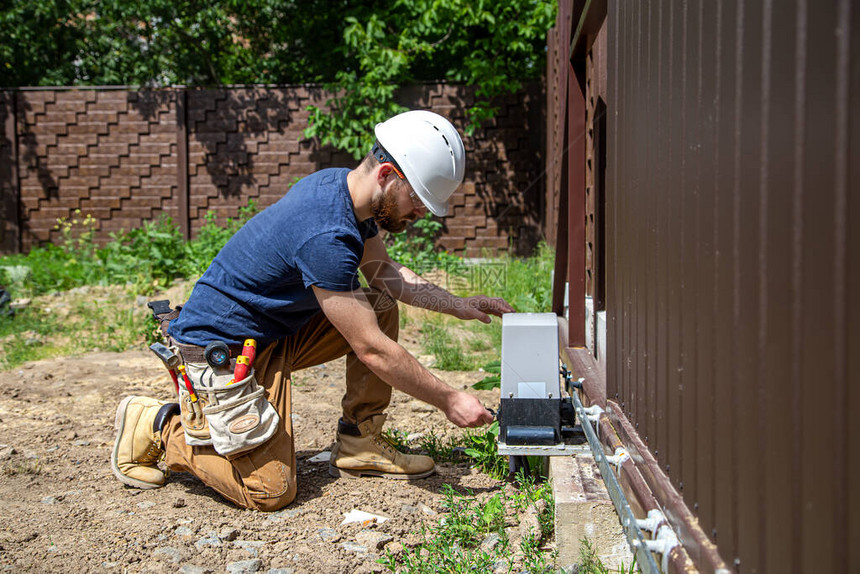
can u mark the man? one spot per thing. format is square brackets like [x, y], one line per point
[288, 279]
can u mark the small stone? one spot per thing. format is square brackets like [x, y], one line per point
[421, 407]
[170, 553]
[191, 569]
[109, 565]
[253, 565]
[51, 500]
[353, 547]
[284, 514]
[529, 525]
[228, 534]
[281, 571]
[71, 435]
[373, 539]
[183, 531]
[490, 542]
[426, 509]
[329, 534]
[6, 453]
[501, 567]
[211, 540]
[179, 503]
[146, 504]
[252, 547]
[81, 443]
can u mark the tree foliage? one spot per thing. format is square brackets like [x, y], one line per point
[363, 51]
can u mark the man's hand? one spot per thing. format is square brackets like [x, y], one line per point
[480, 307]
[465, 410]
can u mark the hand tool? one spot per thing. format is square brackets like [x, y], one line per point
[169, 358]
[243, 366]
[187, 381]
[245, 361]
[250, 351]
[217, 355]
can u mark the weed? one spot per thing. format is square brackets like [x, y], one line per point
[483, 449]
[437, 449]
[590, 563]
[534, 560]
[428, 443]
[29, 467]
[531, 491]
[461, 541]
[449, 355]
[416, 249]
[397, 438]
[23, 336]
[493, 380]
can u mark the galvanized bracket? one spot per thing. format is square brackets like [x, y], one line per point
[543, 450]
[644, 558]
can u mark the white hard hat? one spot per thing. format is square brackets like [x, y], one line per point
[429, 151]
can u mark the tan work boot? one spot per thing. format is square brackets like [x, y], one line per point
[138, 448]
[362, 450]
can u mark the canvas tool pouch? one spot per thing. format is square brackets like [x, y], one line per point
[233, 417]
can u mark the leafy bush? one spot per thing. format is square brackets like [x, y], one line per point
[416, 247]
[148, 258]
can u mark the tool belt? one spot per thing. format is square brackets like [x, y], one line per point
[231, 416]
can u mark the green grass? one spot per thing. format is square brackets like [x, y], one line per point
[23, 337]
[525, 283]
[590, 563]
[457, 542]
[103, 319]
[150, 258]
[147, 259]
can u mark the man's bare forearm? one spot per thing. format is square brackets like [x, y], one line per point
[405, 285]
[394, 365]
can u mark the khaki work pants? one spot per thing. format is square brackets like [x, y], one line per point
[265, 478]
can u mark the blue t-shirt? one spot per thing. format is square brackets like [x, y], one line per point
[259, 284]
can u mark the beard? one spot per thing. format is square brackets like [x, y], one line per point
[383, 207]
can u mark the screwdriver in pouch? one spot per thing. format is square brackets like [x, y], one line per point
[245, 361]
[187, 381]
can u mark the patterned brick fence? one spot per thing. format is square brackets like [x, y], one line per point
[127, 156]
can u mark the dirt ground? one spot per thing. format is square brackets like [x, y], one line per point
[62, 510]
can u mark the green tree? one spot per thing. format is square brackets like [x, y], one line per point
[363, 51]
[39, 42]
[493, 44]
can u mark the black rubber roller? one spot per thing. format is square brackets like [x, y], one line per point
[526, 435]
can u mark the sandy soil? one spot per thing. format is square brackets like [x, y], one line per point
[62, 510]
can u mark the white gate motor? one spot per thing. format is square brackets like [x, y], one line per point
[535, 418]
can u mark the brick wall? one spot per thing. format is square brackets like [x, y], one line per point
[126, 156]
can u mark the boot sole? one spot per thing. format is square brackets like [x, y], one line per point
[341, 473]
[119, 425]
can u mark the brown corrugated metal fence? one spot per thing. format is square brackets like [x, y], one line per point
[734, 329]
[732, 272]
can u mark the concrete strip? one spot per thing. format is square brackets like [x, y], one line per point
[583, 509]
